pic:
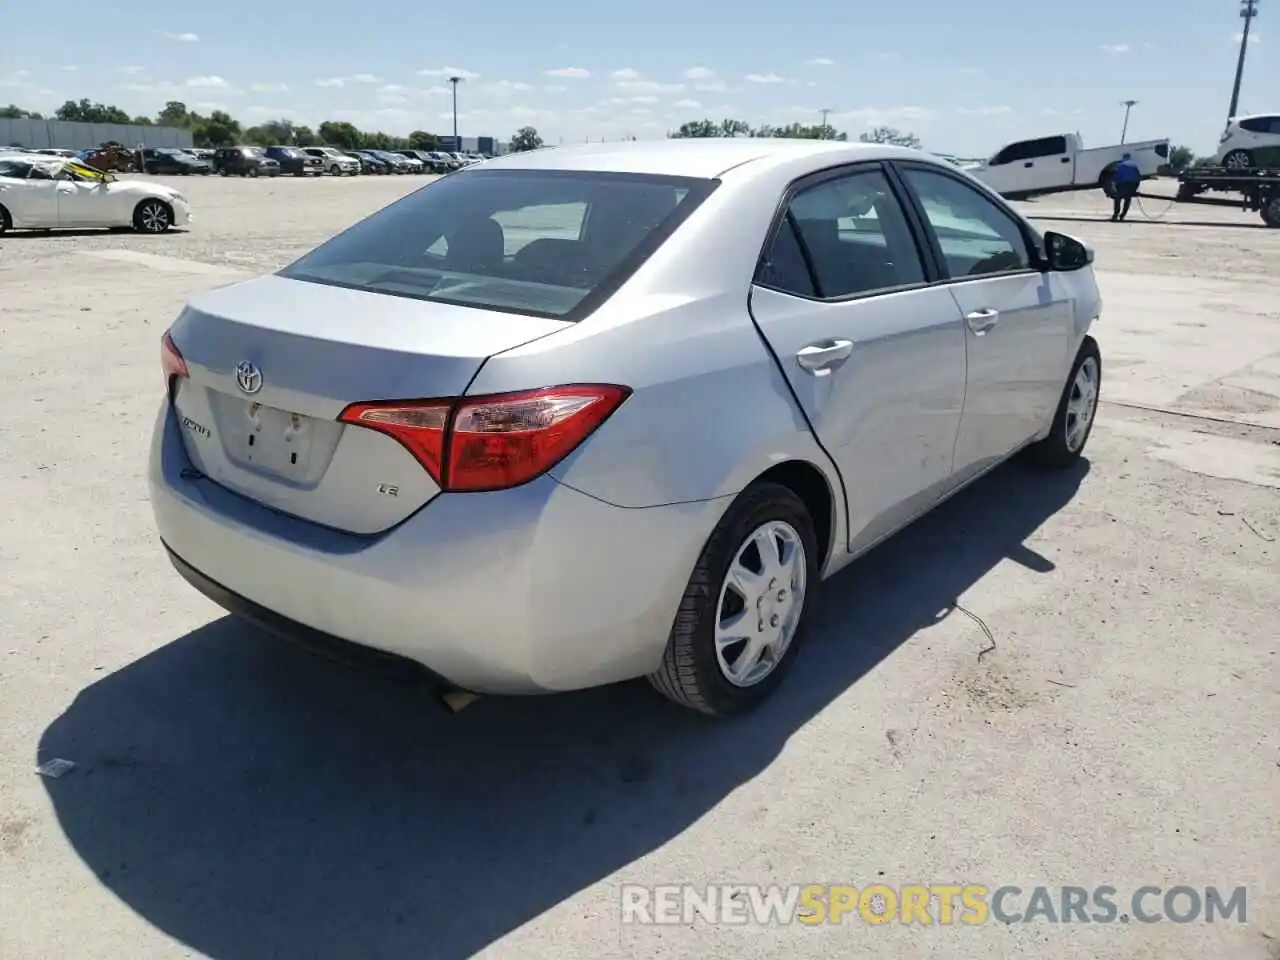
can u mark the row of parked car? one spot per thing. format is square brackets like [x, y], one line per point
[253, 161]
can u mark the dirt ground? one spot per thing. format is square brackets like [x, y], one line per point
[237, 800]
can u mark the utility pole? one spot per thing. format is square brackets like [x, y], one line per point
[824, 111]
[1248, 10]
[1128, 105]
[454, 81]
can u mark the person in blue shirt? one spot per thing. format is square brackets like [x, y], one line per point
[1126, 181]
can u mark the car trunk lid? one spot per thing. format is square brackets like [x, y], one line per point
[273, 362]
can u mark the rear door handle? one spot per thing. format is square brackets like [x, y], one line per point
[980, 321]
[818, 358]
[1029, 163]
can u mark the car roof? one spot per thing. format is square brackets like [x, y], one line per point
[693, 157]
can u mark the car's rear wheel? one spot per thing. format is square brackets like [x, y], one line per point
[746, 606]
[1237, 160]
[6, 221]
[222, 171]
[252, 171]
[1077, 409]
[152, 216]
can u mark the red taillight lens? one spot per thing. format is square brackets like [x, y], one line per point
[493, 442]
[171, 360]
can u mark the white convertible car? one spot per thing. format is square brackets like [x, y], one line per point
[41, 192]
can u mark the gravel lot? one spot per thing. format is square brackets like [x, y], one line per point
[237, 800]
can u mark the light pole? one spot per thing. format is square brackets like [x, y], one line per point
[1128, 105]
[454, 81]
[1248, 10]
[824, 111]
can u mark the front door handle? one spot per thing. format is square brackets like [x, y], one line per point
[818, 358]
[1029, 163]
[980, 321]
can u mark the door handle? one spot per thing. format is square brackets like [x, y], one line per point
[980, 321]
[1065, 160]
[1029, 163]
[819, 357]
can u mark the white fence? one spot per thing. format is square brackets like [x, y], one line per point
[39, 134]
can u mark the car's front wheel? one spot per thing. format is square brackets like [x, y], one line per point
[152, 216]
[1077, 409]
[6, 222]
[745, 608]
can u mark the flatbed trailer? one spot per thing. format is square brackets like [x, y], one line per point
[1258, 189]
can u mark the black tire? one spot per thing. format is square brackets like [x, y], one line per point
[1061, 449]
[222, 172]
[1271, 211]
[1107, 182]
[149, 169]
[6, 221]
[252, 172]
[152, 216]
[1237, 160]
[690, 673]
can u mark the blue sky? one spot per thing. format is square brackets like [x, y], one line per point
[965, 78]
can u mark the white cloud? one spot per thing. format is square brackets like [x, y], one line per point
[763, 78]
[571, 73]
[983, 111]
[712, 86]
[644, 99]
[555, 88]
[331, 82]
[131, 71]
[699, 73]
[364, 78]
[448, 72]
[208, 83]
[504, 88]
[647, 86]
[625, 74]
[821, 62]
[268, 88]
[1115, 47]
[687, 104]
[888, 116]
[178, 37]
[971, 71]
[70, 68]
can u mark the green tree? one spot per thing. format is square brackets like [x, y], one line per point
[141, 121]
[304, 136]
[14, 112]
[1180, 158]
[339, 133]
[892, 136]
[174, 114]
[83, 111]
[526, 138]
[219, 129]
[697, 130]
[421, 140]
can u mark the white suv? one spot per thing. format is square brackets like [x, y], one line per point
[336, 163]
[1244, 135]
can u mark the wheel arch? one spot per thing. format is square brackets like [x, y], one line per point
[811, 485]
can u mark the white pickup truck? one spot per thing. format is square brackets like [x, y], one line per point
[1030, 168]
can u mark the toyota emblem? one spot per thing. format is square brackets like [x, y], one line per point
[248, 376]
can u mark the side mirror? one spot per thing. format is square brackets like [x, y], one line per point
[1064, 253]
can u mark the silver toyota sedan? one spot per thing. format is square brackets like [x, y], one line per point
[592, 413]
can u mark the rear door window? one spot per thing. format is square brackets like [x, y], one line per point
[544, 243]
[852, 236]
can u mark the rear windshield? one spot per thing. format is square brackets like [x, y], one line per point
[537, 242]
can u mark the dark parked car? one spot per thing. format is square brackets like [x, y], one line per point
[244, 162]
[380, 164]
[430, 163]
[398, 163]
[292, 160]
[171, 160]
[367, 164]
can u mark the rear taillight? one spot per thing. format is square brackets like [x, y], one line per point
[492, 442]
[171, 360]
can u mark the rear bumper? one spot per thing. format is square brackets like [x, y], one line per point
[530, 590]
